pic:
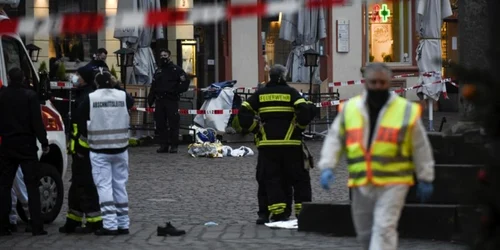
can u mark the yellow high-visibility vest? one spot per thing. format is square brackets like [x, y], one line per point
[389, 159]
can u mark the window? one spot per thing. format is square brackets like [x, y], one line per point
[388, 31]
[14, 56]
[73, 47]
[274, 49]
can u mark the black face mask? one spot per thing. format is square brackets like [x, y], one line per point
[165, 61]
[377, 97]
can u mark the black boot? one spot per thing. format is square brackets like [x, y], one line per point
[70, 226]
[263, 218]
[169, 230]
[162, 149]
[278, 217]
[90, 227]
[173, 149]
[13, 228]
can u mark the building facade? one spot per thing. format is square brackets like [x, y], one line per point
[347, 38]
[383, 31]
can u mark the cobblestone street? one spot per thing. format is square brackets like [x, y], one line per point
[192, 191]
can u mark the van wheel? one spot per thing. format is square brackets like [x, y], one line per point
[51, 194]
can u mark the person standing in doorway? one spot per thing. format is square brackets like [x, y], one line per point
[168, 83]
[386, 144]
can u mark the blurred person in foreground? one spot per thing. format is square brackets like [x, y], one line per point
[386, 144]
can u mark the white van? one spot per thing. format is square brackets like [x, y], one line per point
[53, 168]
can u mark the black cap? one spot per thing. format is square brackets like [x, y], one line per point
[102, 50]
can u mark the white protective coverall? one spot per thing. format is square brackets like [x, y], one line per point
[19, 192]
[376, 209]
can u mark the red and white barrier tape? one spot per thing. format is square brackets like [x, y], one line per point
[84, 23]
[194, 111]
[68, 85]
[361, 82]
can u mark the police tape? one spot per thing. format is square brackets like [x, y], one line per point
[361, 82]
[193, 111]
[85, 23]
[70, 86]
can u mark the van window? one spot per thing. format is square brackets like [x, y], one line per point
[14, 55]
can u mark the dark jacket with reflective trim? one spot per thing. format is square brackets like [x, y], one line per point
[80, 94]
[281, 110]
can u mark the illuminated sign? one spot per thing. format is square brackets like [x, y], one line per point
[380, 14]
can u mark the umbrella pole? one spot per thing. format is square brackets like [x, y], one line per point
[310, 91]
[430, 107]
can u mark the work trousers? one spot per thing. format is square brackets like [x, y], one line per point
[375, 212]
[83, 199]
[262, 194]
[110, 172]
[284, 165]
[167, 120]
[19, 192]
[10, 159]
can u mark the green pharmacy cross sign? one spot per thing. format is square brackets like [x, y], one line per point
[384, 13]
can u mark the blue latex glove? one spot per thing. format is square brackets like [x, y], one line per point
[424, 191]
[326, 178]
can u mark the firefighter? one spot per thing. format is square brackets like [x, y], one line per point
[278, 115]
[169, 82]
[83, 200]
[106, 113]
[386, 144]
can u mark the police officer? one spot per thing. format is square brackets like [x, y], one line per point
[83, 199]
[105, 111]
[285, 115]
[20, 126]
[170, 80]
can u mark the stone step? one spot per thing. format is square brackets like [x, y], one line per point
[420, 221]
[467, 148]
[453, 184]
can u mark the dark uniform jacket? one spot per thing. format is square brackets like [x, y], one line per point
[77, 145]
[21, 121]
[277, 114]
[166, 83]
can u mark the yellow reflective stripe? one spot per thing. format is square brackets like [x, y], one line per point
[83, 143]
[279, 143]
[301, 127]
[277, 208]
[254, 124]
[263, 133]
[299, 101]
[93, 219]
[276, 109]
[74, 217]
[75, 129]
[275, 98]
[409, 180]
[248, 106]
[291, 128]
[71, 146]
